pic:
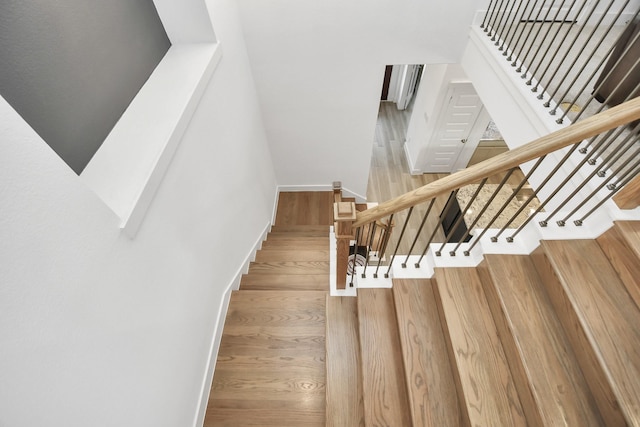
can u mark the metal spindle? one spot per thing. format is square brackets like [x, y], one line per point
[542, 42]
[611, 187]
[604, 79]
[512, 22]
[497, 26]
[609, 160]
[506, 203]
[524, 43]
[535, 194]
[355, 256]
[395, 252]
[424, 220]
[587, 61]
[437, 227]
[617, 188]
[460, 219]
[526, 55]
[369, 243]
[601, 147]
[576, 56]
[489, 15]
[383, 246]
[483, 210]
[494, 27]
[555, 52]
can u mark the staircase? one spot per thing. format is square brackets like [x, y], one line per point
[552, 338]
[271, 363]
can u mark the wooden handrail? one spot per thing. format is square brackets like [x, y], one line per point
[584, 129]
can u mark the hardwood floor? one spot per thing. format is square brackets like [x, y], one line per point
[271, 363]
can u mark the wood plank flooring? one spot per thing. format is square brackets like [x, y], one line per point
[431, 388]
[592, 302]
[384, 388]
[270, 369]
[344, 365]
[305, 208]
[483, 378]
[548, 378]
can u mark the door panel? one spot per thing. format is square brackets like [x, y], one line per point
[459, 115]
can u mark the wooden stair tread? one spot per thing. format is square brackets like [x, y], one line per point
[320, 229]
[293, 236]
[270, 368]
[344, 405]
[293, 243]
[279, 254]
[289, 267]
[630, 231]
[593, 303]
[550, 383]
[384, 389]
[314, 282]
[305, 208]
[432, 394]
[301, 233]
[616, 246]
[485, 386]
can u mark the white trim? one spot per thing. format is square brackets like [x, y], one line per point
[126, 176]
[219, 328]
[321, 187]
[410, 162]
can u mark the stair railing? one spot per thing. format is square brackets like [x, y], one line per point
[570, 52]
[576, 170]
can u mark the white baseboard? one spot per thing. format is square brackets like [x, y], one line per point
[412, 169]
[219, 327]
[345, 191]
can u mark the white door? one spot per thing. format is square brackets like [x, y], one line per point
[454, 126]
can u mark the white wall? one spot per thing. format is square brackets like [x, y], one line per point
[429, 101]
[100, 330]
[319, 68]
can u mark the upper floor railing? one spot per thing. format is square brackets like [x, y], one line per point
[579, 56]
[576, 170]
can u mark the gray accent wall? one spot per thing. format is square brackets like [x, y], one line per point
[70, 68]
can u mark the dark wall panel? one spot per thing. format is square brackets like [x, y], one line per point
[70, 68]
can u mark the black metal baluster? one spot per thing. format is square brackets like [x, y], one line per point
[437, 227]
[632, 173]
[512, 23]
[609, 160]
[555, 53]
[424, 220]
[488, 15]
[461, 218]
[627, 176]
[395, 252]
[483, 210]
[605, 77]
[506, 203]
[383, 246]
[532, 67]
[577, 56]
[587, 61]
[535, 194]
[524, 43]
[526, 55]
[355, 256]
[569, 48]
[497, 26]
[371, 235]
